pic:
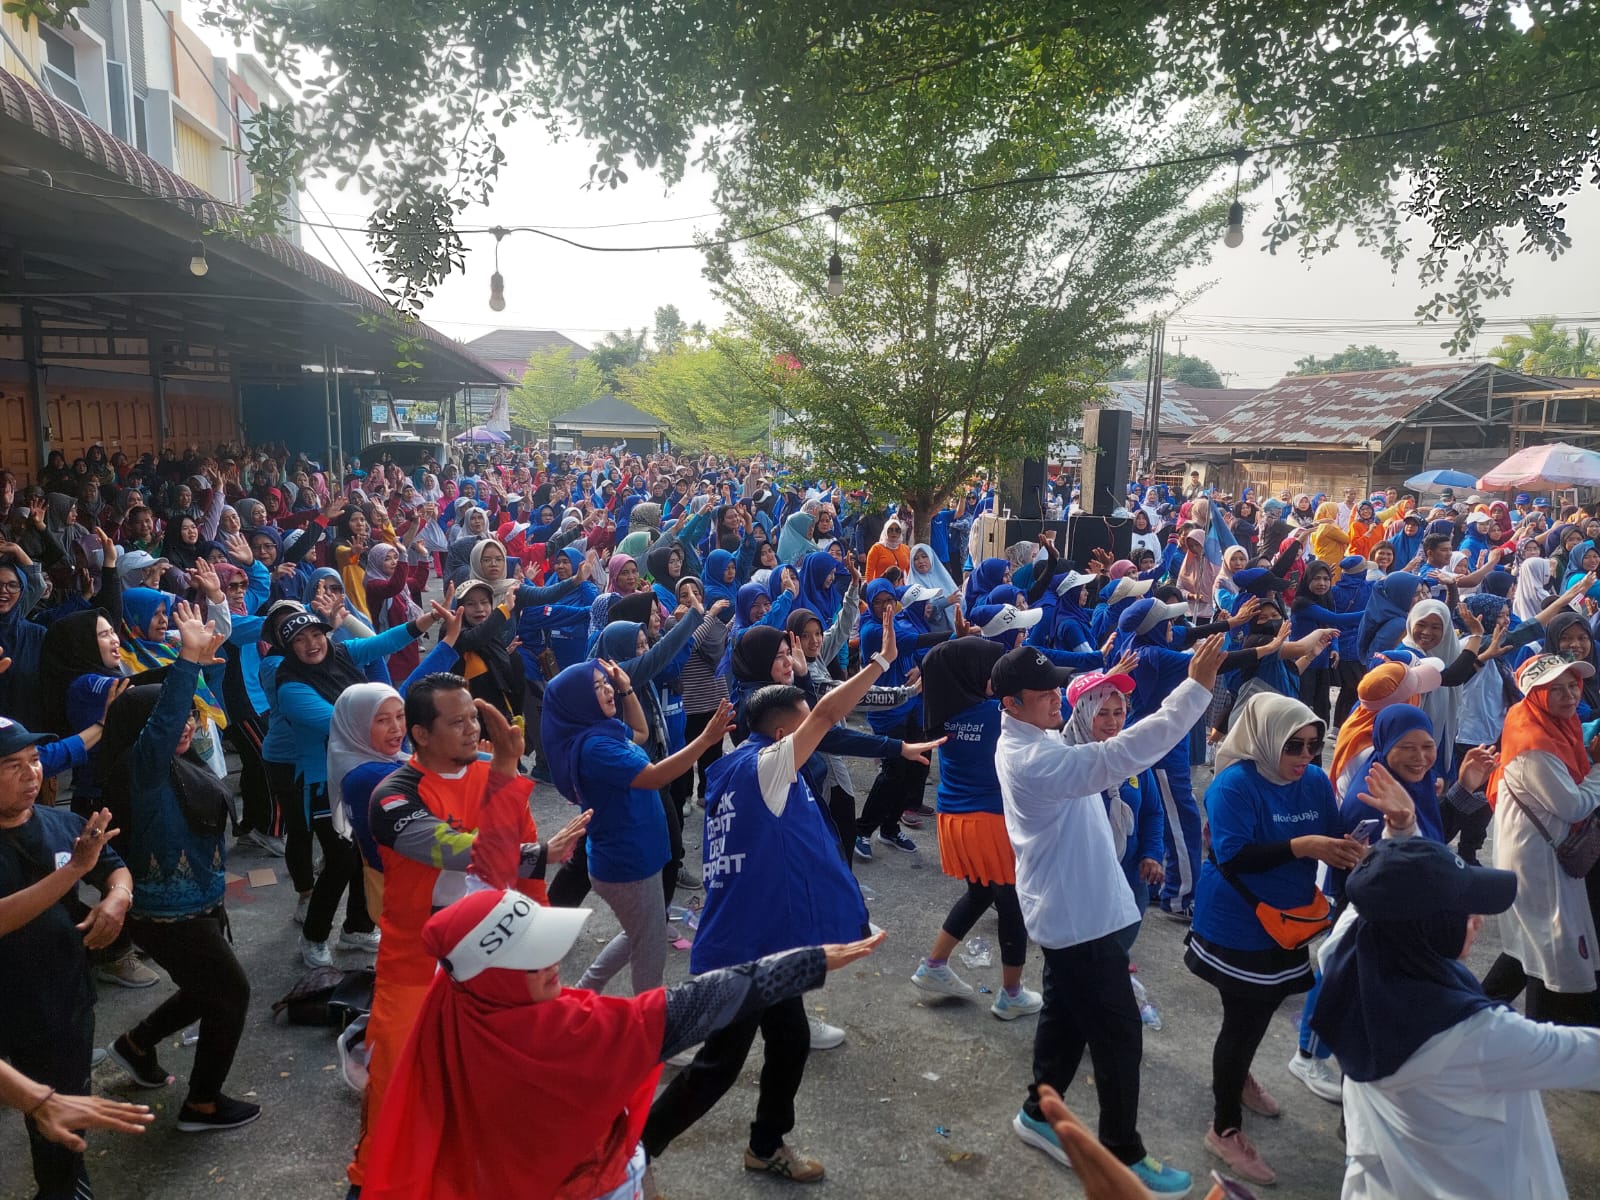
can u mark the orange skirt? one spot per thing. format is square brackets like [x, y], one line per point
[975, 846]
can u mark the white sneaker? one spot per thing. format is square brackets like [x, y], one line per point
[1318, 1075]
[367, 941]
[1009, 1009]
[300, 909]
[940, 981]
[315, 954]
[823, 1035]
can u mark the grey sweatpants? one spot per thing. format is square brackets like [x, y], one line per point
[642, 944]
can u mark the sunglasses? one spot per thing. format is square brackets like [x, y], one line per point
[1297, 746]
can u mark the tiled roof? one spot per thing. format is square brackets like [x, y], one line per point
[518, 345]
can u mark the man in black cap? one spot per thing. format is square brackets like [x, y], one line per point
[46, 997]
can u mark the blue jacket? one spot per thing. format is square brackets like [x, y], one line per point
[309, 716]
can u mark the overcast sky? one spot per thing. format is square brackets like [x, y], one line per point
[1257, 316]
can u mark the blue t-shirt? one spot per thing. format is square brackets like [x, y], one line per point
[967, 780]
[628, 832]
[939, 534]
[1246, 810]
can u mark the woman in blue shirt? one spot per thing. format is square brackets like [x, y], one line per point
[1273, 818]
[973, 843]
[599, 762]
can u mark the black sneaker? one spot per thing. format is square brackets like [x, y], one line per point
[142, 1066]
[230, 1114]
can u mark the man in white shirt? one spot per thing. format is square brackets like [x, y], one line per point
[1075, 899]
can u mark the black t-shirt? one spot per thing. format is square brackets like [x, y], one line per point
[44, 968]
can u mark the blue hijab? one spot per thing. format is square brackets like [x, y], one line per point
[1069, 627]
[583, 595]
[619, 641]
[988, 575]
[1391, 985]
[817, 575]
[141, 603]
[1390, 725]
[775, 580]
[1406, 545]
[1383, 625]
[717, 564]
[571, 715]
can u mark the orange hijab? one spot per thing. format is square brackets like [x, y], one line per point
[1529, 726]
[1355, 735]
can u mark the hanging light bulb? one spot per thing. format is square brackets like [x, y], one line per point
[1235, 234]
[197, 258]
[497, 283]
[835, 274]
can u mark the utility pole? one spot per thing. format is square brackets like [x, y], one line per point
[1152, 398]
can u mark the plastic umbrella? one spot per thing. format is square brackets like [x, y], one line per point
[482, 433]
[1437, 481]
[1556, 465]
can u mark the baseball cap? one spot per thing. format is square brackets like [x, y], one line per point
[1090, 680]
[997, 620]
[1541, 502]
[14, 737]
[1354, 564]
[1411, 879]
[1074, 579]
[136, 560]
[1547, 668]
[1478, 518]
[297, 624]
[1259, 581]
[1128, 586]
[916, 594]
[1447, 495]
[1025, 668]
[1522, 498]
[1144, 615]
[501, 930]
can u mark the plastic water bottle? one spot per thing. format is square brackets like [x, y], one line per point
[976, 952]
[1148, 1013]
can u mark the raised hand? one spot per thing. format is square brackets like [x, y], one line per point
[1476, 767]
[503, 736]
[205, 575]
[721, 722]
[560, 847]
[1127, 664]
[238, 549]
[197, 635]
[94, 837]
[1246, 612]
[1206, 661]
[1386, 794]
[616, 675]
[1469, 620]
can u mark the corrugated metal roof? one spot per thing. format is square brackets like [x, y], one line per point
[1345, 410]
[607, 412]
[1184, 407]
[517, 345]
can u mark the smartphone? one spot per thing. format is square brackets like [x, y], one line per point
[1368, 831]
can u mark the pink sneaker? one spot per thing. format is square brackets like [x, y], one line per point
[1243, 1159]
[1257, 1099]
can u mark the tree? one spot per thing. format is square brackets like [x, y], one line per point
[1546, 350]
[1180, 368]
[712, 396]
[1351, 358]
[616, 352]
[669, 329]
[1477, 118]
[554, 383]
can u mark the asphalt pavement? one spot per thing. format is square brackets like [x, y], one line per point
[918, 1101]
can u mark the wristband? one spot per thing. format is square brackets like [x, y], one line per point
[880, 660]
[622, 695]
[119, 887]
[48, 1096]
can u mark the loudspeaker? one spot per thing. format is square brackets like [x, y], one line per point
[1086, 533]
[1022, 485]
[1106, 434]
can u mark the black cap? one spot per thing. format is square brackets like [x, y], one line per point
[295, 625]
[1026, 669]
[1415, 878]
[14, 737]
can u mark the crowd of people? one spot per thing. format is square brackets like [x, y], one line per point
[692, 650]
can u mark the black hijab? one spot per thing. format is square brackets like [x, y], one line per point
[71, 648]
[634, 608]
[328, 678]
[201, 796]
[955, 676]
[174, 549]
[757, 649]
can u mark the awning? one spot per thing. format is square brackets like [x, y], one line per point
[95, 241]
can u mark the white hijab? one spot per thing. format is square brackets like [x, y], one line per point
[1260, 728]
[350, 742]
[1079, 731]
[1443, 705]
[1533, 588]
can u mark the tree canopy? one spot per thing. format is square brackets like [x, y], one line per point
[553, 383]
[1548, 350]
[1351, 358]
[1180, 368]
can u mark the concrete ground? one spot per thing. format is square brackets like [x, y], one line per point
[917, 1102]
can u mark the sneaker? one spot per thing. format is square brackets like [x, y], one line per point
[786, 1163]
[1009, 1008]
[230, 1114]
[141, 1066]
[823, 1035]
[864, 849]
[924, 810]
[1184, 916]
[1243, 1159]
[1318, 1075]
[127, 972]
[689, 881]
[315, 954]
[367, 941]
[301, 908]
[940, 981]
[97, 1056]
[911, 819]
[1160, 1179]
[1036, 1132]
[899, 842]
[265, 841]
[1257, 1099]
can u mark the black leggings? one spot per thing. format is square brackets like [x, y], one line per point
[53, 1048]
[1349, 675]
[975, 902]
[1245, 1019]
[212, 989]
[674, 817]
[259, 813]
[341, 872]
[1315, 686]
[283, 780]
[693, 726]
[1507, 979]
[899, 786]
[842, 812]
[571, 885]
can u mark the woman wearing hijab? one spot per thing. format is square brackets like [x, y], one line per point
[493, 674]
[173, 813]
[973, 844]
[392, 587]
[1302, 514]
[664, 562]
[1544, 786]
[1273, 818]
[594, 729]
[890, 550]
[1431, 634]
[1569, 635]
[1312, 610]
[794, 542]
[314, 671]
[1441, 1092]
[366, 744]
[1328, 542]
[1383, 624]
